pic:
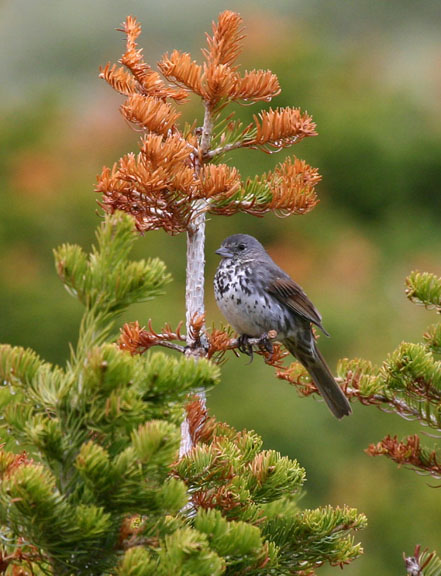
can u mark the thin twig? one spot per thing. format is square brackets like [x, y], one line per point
[171, 345]
[418, 562]
[223, 149]
[260, 341]
[401, 407]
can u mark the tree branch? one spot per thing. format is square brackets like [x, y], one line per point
[223, 149]
[171, 345]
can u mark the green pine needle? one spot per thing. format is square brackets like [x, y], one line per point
[424, 288]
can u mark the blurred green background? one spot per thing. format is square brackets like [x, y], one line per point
[370, 74]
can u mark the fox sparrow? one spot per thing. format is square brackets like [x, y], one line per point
[257, 296]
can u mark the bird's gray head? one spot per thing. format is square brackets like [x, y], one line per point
[241, 247]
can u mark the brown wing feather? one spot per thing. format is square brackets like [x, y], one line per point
[292, 295]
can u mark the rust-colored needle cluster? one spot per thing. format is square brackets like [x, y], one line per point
[176, 174]
[408, 452]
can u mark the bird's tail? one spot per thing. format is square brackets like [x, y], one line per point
[322, 378]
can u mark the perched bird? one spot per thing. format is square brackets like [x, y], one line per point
[257, 296]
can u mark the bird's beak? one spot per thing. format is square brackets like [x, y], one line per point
[224, 252]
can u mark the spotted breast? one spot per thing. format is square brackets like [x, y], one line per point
[249, 311]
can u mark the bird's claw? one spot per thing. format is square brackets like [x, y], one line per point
[266, 345]
[245, 347]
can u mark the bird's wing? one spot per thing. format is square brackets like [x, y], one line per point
[291, 294]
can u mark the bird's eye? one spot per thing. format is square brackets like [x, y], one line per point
[241, 247]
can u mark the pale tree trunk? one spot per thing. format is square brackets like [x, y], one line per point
[195, 274]
[194, 299]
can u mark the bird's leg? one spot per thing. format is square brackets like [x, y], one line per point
[244, 346]
[265, 344]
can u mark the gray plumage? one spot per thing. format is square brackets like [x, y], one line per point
[257, 296]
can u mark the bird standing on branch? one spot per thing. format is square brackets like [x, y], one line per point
[257, 296]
